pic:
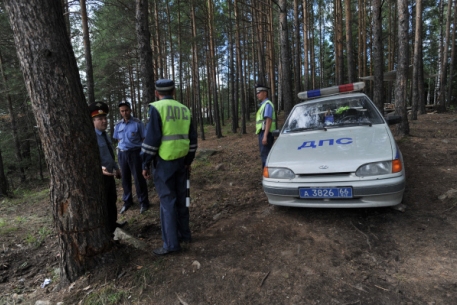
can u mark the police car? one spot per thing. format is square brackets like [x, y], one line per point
[335, 150]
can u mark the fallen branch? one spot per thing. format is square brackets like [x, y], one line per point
[264, 278]
[366, 236]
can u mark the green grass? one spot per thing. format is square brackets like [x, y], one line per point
[109, 295]
[36, 241]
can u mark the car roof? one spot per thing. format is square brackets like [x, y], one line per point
[331, 97]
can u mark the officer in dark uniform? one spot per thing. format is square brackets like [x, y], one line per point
[110, 169]
[170, 144]
[130, 133]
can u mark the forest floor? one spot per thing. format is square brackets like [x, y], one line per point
[245, 251]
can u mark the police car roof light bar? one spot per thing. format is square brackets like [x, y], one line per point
[331, 90]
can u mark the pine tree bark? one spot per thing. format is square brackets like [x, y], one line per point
[66, 131]
[338, 25]
[145, 52]
[3, 180]
[297, 55]
[417, 57]
[305, 45]
[452, 63]
[444, 64]
[378, 85]
[239, 73]
[402, 67]
[195, 72]
[87, 54]
[349, 50]
[17, 143]
[285, 58]
[212, 65]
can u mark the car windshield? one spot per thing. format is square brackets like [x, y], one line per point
[341, 112]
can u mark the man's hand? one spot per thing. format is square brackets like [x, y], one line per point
[146, 174]
[268, 122]
[106, 172]
[118, 174]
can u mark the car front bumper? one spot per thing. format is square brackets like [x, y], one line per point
[371, 193]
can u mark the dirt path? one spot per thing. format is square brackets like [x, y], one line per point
[248, 252]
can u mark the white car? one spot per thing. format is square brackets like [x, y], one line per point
[335, 151]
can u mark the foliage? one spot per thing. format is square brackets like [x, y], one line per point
[109, 295]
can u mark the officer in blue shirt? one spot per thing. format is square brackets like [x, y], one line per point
[110, 169]
[130, 133]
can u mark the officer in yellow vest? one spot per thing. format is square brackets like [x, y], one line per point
[170, 145]
[265, 122]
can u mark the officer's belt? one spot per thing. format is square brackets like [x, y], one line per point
[131, 149]
[175, 137]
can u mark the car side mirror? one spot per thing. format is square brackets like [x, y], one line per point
[393, 119]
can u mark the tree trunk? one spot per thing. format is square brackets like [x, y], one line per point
[305, 45]
[272, 59]
[87, 54]
[416, 61]
[378, 85]
[232, 77]
[239, 73]
[452, 64]
[145, 52]
[195, 72]
[297, 55]
[349, 52]
[402, 67]
[17, 143]
[212, 64]
[66, 131]
[285, 58]
[3, 181]
[443, 76]
[338, 25]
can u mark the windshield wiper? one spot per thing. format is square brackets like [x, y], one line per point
[308, 128]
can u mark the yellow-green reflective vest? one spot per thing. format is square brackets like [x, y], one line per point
[259, 119]
[175, 129]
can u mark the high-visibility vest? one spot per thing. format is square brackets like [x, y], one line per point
[175, 128]
[259, 119]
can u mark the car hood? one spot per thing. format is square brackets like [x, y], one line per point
[336, 150]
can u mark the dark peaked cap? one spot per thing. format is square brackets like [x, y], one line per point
[124, 104]
[260, 87]
[98, 108]
[165, 85]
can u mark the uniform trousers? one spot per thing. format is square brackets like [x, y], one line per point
[111, 198]
[265, 149]
[130, 164]
[170, 182]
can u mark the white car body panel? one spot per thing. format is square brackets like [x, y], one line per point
[329, 158]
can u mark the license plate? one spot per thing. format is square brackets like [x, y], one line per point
[326, 192]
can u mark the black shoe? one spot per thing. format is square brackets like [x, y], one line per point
[124, 209]
[162, 251]
[143, 209]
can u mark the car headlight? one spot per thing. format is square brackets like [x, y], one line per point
[379, 168]
[278, 173]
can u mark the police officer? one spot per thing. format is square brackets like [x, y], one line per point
[265, 122]
[110, 169]
[170, 144]
[130, 133]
